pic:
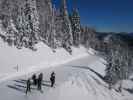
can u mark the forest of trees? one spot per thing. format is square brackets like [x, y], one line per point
[118, 55]
[27, 22]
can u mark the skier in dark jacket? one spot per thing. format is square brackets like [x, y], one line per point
[34, 79]
[40, 78]
[28, 88]
[52, 79]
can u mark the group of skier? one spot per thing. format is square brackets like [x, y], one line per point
[37, 81]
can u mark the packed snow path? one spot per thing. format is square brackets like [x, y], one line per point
[73, 82]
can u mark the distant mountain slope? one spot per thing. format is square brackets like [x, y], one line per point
[125, 37]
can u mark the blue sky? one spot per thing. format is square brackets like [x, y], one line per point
[104, 15]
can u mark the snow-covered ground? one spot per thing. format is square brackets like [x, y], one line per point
[74, 81]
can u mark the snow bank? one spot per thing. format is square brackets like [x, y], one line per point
[127, 84]
[92, 51]
[96, 62]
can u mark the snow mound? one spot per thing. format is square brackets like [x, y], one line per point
[92, 51]
[127, 84]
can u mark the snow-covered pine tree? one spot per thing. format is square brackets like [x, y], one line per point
[112, 67]
[5, 13]
[85, 36]
[117, 63]
[34, 20]
[18, 24]
[20, 21]
[67, 39]
[93, 40]
[44, 8]
[76, 29]
[58, 28]
[7, 22]
[88, 37]
[53, 30]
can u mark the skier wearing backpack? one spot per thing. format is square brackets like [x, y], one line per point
[52, 79]
[28, 88]
[34, 79]
[39, 83]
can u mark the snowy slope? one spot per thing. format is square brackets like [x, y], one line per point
[73, 82]
[27, 60]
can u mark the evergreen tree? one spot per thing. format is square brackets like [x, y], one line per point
[66, 27]
[52, 36]
[118, 64]
[21, 24]
[76, 30]
[88, 37]
[58, 28]
[44, 8]
[5, 13]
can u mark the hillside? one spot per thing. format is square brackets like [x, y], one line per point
[28, 22]
[125, 37]
[25, 59]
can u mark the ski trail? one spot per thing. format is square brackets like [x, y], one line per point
[71, 84]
